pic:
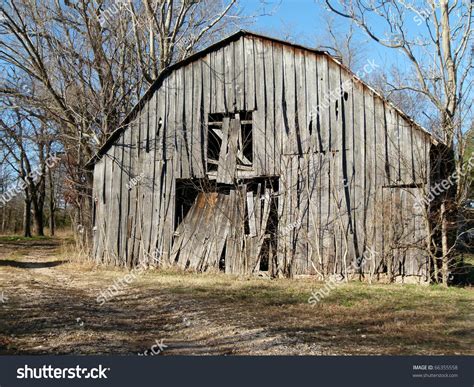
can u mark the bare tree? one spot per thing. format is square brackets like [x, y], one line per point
[439, 55]
[85, 64]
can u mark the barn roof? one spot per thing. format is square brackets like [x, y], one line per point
[235, 36]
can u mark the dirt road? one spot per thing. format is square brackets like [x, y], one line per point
[49, 304]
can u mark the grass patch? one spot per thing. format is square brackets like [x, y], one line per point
[19, 238]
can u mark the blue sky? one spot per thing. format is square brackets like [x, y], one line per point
[304, 21]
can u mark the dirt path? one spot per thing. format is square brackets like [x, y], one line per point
[50, 305]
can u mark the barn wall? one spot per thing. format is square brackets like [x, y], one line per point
[349, 169]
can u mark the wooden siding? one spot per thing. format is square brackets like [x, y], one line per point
[349, 166]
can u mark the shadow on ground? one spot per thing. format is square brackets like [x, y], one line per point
[30, 265]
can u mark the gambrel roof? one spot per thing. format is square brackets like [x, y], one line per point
[234, 37]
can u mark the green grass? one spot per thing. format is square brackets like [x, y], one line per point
[19, 238]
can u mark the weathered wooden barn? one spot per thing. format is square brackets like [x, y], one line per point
[257, 155]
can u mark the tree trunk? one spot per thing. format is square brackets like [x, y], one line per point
[4, 218]
[27, 219]
[38, 217]
[444, 244]
[51, 202]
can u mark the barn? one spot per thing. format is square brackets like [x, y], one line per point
[257, 156]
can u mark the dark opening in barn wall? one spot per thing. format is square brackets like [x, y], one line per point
[226, 227]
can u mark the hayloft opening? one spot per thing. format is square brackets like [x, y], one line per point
[220, 132]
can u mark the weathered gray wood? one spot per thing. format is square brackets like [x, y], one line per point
[311, 100]
[259, 121]
[116, 204]
[370, 178]
[280, 134]
[239, 74]
[302, 127]
[380, 179]
[251, 214]
[323, 127]
[269, 92]
[348, 165]
[289, 105]
[333, 150]
[359, 160]
[219, 81]
[223, 173]
[189, 129]
[249, 74]
[229, 77]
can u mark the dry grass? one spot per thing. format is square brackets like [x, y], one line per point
[52, 308]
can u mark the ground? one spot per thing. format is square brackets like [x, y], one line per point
[48, 305]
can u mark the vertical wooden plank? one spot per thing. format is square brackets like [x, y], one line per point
[224, 172]
[140, 187]
[229, 77]
[406, 154]
[334, 108]
[184, 118]
[239, 73]
[149, 180]
[259, 121]
[219, 81]
[212, 82]
[311, 145]
[126, 139]
[249, 74]
[300, 223]
[289, 102]
[116, 203]
[177, 114]
[359, 157]
[335, 140]
[380, 178]
[109, 215]
[199, 127]
[134, 199]
[301, 126]
[279, 119]
[269, 109]
[348, 163]
[393, 155]
[157, 126]
[323, 116]
[370, 174]
[188, 119]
